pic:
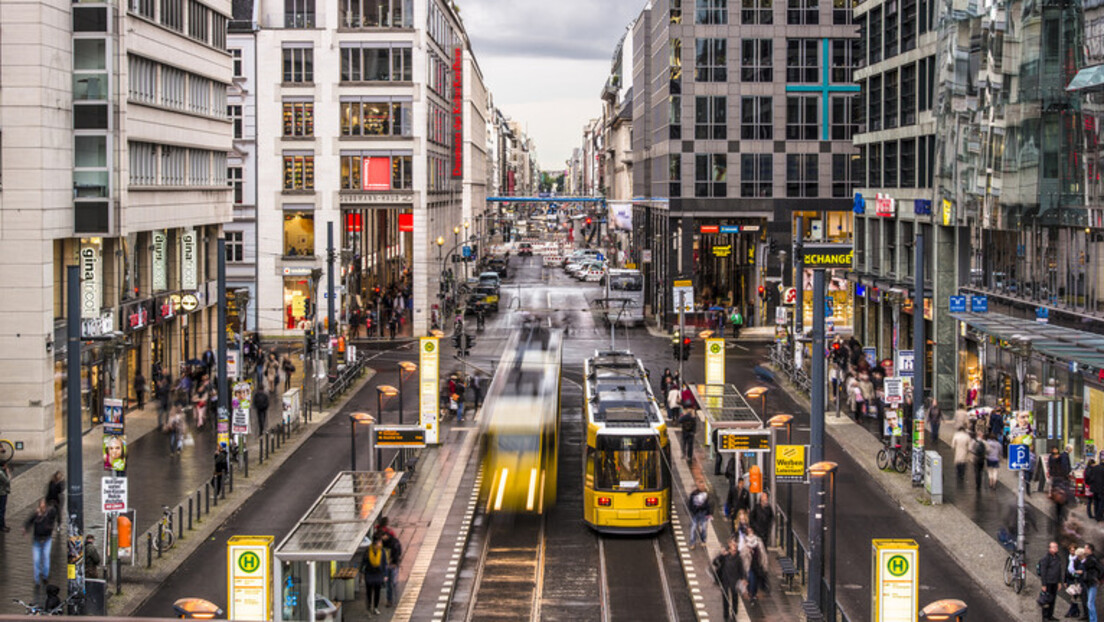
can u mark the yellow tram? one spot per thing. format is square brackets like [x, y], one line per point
[627, 479]
[521, 419]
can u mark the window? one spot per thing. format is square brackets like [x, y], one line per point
[380, 63]
[299, 234]
[710, 172]
[710, 118]
[802, 12]
[802, 60]
[756, 175]
[142, 80]
[890, 99]
[235, 180]
[801, 117]
[841, 12]
[172, 14]
[174, 87]
[844, 113]
[674, 118]
[236, 53]
[90, 79]
[710, 64]
[874, 114]
[712, 12]
[889, 168]
[891, 29]
[676, 11]
[676, 65]
[844, 53]
[219, 24]
[299, 171]
[756, 118]
[174, 165]
[145, 8]
[927, 82]
[235, 246]
[199, 169]
[377, 116]
[801, 175]
[143, 163]
[199, 94]
[874, 162]
[235, 115]
[843, 180]
[908, 94]
[380, 171]
[376, 13]
[298, 13]
[908, 25]
[874, 32]
[299, 64]
[908, 163]
[90, 173]
[756, 64]
[298, 118]
[858, 168]
[757, 11]
[621, 459]
[674, 172]
[199, 17]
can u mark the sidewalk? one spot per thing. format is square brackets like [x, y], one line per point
[155, 479]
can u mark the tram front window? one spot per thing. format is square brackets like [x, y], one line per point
[628, 463]
[518, 443]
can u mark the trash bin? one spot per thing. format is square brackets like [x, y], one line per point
[933, 476]
[95, 597]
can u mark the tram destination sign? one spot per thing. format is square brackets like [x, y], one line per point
[400, 436]
[729, 440]
[827, 255]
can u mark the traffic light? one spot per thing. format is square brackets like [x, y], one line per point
[588, 221]
[376, 290]
[762, 293]
[685, 341]
[773, 246]
[310, 339]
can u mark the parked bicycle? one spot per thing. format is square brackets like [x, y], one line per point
[53, 606]
[7, 451]
[1015, 565]
[895, 454]
[165, 537]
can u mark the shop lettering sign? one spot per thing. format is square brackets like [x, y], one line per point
[370, 197]
[91, 294]
[160, 262]
[827, 255]
[189, 267]
[458, 113]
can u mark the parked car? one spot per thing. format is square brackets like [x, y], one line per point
[490, 278]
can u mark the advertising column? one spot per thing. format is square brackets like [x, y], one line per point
[428, 388]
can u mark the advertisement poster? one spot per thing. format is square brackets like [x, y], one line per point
[114, 452]
[113, 417]
[241, 401]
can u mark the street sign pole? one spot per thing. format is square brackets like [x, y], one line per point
[682, 331]
[919, 346]
[1020, 510]
[816, 442]
[73, 456]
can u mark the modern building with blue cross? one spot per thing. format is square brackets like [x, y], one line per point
[743, 114]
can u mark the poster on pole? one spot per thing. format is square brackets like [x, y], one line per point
[896, 580]
[715, 361]
[241, 401]
[114, 494]
[428, 389]
[683, 290]
[113, 423]
[249, 578]
[894, 390]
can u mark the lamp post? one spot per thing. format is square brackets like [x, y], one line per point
[354, 419]
[946, 610]
[408, 367]
[759, 393]
[822, 471]
[466, 225]
[196, 609]
[381, 390]
[779, 422]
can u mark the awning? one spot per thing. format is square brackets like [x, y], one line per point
[723, 404]
[1058, 342]
[337, 523]
[1089, 78]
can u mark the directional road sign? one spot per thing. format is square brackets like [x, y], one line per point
[1019, 458]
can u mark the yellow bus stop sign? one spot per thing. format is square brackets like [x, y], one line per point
[895, 591]
[249, 577]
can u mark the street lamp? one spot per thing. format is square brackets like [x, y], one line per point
[759, 393]
[382, 390]
[821, 471]
[354, 419]
[949, 609]
[404, 367]
[779, 422]
[196, 609]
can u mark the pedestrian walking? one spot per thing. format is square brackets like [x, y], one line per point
[40, 526]
[1094, 481]
[5, 490]
[162, 391]
[374, 569]
[1074, 558]
[754, 557]
[701, 513]
[55, 489]
[762, 517]
[674, 399]
[176, 429]
[260, 402]
[1051, 569]
[477, 390]
[738, 499]
[960, 443]
[728, 569]
[92, 559]
[935, 419]
[992, 459]
[977, 454]
[288, 368]
[1092, 571]
[394, 557]
[688, 423]
[221, 469]
[665, 380]
[140, 389]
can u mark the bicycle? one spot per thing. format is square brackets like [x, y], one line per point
[35, 609]
[897, 455]
[1015, 570]
[165, 538]
[7, 451]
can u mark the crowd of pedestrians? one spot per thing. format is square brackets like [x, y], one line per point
[384, 313]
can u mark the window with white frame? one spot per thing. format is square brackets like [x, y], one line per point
[143, 163]
[711, 12]
[236, 53]
[377, 116]
[235, 114]
[298, 170]
[376, 13]
[298, 117]
[235, 180]
[235, 246]
[376, 62]
[298, 13]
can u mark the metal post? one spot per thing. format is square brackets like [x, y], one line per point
[789, 504]
[832, 537]
[330, 303]
[190, 513]
[352, 438]
[682, 330]
[373, 451]
[149, 549]
[198, 507]
[919, 347]
[74, 466]
[180, 521]
[799, 278]
[401, 396]
[1020, 508]
[223, 381]
[816, 441]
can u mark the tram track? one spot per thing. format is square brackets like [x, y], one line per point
[510, 572]
[635, 583]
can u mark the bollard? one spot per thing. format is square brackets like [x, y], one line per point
[149, 549]
[207, 496]
[199, 506]
[229, 481]
[245, 463]
[260, 449]
[179, 522]
[189, 513]
[160, 538]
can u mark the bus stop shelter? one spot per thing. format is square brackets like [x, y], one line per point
[723, 407]
[316, 562]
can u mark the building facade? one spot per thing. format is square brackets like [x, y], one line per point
[241, 174]
[114, 158]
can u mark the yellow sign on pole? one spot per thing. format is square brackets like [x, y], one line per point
[715, 361]
[249, 577]
[896, 581]
[789, 463]
[428, 389]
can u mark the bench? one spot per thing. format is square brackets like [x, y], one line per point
[408, 473]
[789, 570]
[812, 611]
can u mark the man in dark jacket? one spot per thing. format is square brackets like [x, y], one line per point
[738, 499]
[40, 526]
[1091, 573]
[729, 568]
[1094, 481]
[762, 517]
[688, 422]
[701, 512]
[260, 401]
[1051, 571]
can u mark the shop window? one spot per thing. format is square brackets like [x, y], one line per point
[710, 118]
[801, 175]
[381, 117]
[710, 60]
[299, 234]
[710, 174]
[299, 171]
[757, 11]
[802, 12]
[756, 118]
[402, 172]
[801, 117]
[756, 175]
[756, 63]
[298, 118]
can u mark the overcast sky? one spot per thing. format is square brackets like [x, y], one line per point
[546, 61]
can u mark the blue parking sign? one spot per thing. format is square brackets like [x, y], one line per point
[1019, 459]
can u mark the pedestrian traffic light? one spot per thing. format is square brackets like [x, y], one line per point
[588, 221]
[762, 292]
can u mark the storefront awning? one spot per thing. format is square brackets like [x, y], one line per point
[1058, 342]
[339, 520]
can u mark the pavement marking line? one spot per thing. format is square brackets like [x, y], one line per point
[429, 545]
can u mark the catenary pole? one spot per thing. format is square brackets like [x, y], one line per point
[73, 458]
[920, 357]
[816, 442]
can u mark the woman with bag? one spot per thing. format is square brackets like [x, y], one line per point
[1074, 569]
[374, 569]
[728, 569]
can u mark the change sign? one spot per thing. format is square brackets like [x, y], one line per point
[789, 464]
